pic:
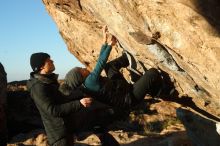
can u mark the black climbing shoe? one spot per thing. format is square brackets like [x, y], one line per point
[166, 91]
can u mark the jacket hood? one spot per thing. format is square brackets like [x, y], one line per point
[35, 78]
[74, 78]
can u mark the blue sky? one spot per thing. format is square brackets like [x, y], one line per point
[26, 28]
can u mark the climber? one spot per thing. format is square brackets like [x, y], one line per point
[114, 90]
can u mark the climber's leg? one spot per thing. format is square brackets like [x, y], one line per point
[112, 68]
[150, 83]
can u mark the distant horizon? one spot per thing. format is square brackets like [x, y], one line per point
[27, 28]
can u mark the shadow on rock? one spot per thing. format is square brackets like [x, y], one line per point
[174, 139]
[188, 102]
[22, 114]
[183, 100]
[210, 9]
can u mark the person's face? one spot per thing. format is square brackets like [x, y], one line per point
[48, 67]
[84, 72]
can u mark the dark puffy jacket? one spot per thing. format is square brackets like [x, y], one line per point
[116, 93]
[52, 104]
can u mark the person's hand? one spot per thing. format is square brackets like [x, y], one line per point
[113, 41]
[86, 102]
[105, 33]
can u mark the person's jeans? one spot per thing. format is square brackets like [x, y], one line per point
[150, 83]
[112, 68]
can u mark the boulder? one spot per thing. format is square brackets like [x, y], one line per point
[3, 106]
[180, 37]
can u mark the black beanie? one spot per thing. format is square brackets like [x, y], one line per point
[37, 60]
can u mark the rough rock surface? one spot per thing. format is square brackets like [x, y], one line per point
[3, 105]
[185, 38]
